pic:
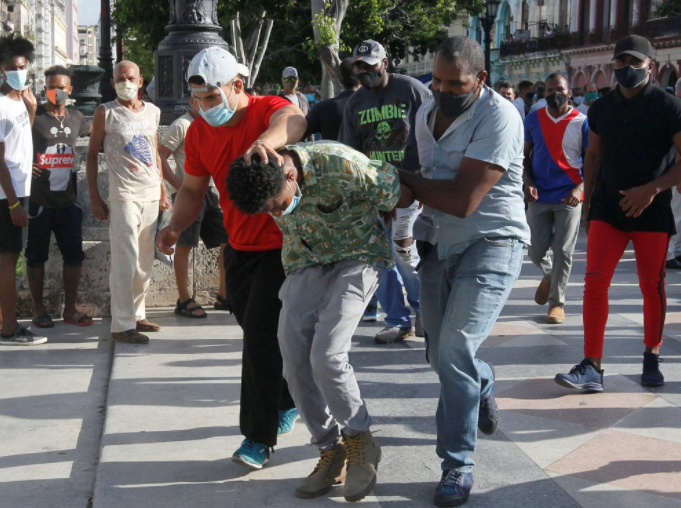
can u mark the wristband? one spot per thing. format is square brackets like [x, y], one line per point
[15, 205]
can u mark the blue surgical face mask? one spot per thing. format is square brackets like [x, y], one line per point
[16, 79]
[220, 114]
[294, 201]
[310, 98]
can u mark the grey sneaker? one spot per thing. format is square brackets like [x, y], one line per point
[418, 328]
[329, 471]
[22, 337]
[391, 334]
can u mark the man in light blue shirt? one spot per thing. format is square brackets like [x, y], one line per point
[470, 140]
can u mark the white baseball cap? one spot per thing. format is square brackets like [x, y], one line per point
[215, 65]
[289, 72]
[243, 70]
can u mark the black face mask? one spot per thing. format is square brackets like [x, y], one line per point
[630, 77]
[370, 79]
[556, 100]
[452, 105]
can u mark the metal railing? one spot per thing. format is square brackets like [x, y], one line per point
[651, 29]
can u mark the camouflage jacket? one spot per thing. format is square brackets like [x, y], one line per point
[336, 218]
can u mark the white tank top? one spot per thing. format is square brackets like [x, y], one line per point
[130, 150]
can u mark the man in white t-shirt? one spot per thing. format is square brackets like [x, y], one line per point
[128, 128]
[209, 225]
[17, 111]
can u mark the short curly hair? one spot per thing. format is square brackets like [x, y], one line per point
[14, 45]
[251, 186]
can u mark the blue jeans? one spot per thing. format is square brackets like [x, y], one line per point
[462, 297]
[389, 293]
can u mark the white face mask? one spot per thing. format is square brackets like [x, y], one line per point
[126, 91]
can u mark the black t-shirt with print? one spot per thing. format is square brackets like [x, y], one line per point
[53, 150]
[636, 144]
[381, 124]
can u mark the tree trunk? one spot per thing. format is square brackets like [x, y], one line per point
[335, 9]
[251, 54]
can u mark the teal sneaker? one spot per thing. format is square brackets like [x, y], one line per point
[287, 420]
[251, 454]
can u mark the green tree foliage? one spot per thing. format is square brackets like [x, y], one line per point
[403, 24]
[669, 8]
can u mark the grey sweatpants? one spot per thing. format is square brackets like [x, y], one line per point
[321, 308]
[554, 226]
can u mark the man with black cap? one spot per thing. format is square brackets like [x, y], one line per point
[378, 121]
[289, 80]
[628, 173]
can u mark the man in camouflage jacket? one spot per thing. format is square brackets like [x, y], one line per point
[325, 199]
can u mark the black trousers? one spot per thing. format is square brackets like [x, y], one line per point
[253, 282]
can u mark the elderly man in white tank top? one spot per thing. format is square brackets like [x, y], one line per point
[128, 128]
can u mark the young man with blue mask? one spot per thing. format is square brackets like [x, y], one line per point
[470, 143]
[17, 112]
[128, 129]
[232, 124]
[325, 198]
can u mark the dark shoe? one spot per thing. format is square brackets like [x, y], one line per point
[184, 309]
[329, 471]
[651, 370]
[147, 326]
[222, 304]
[364, 454]
[488, 416]
[130, 337]
[43, 321]
[22, 337]
[418, 327]
[454, 488]
[583, 376]
[673, 264]
[541, 296]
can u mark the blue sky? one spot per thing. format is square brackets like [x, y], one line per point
[88, 12]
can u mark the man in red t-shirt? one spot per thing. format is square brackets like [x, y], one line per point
[232, 124]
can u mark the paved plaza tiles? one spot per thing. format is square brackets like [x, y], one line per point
[166, 416]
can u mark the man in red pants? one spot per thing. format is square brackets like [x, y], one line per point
[628, 173]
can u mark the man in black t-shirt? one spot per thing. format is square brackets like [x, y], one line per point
[53, 206]
[378, 121]
[628, 174]
[326, 117]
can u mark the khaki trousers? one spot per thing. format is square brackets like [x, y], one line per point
[132, 233]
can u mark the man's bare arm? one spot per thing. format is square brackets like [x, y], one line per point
[99, 208]
[462, 195]
[287, 125]
[164, 153]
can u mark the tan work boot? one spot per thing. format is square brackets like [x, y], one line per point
[329, 470]
[541, 297]
[556, 315]
[364, 454]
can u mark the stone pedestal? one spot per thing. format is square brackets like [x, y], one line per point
[94, 296]
[193, 26]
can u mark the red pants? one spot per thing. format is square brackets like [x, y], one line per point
[605, 247]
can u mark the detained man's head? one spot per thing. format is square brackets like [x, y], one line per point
[262, 188]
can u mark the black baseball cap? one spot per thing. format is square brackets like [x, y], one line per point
[633, 45]
[369, 51]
